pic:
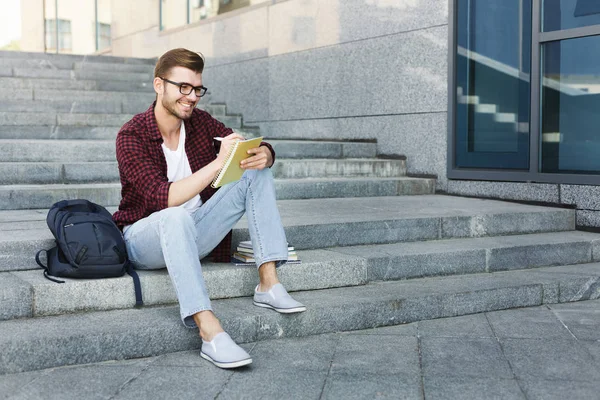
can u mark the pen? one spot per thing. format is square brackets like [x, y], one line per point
[220, 139]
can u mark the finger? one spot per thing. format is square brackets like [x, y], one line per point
[234, 136]
[256, 150]
[253, 162]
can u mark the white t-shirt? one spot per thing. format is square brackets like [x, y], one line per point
[178, 167]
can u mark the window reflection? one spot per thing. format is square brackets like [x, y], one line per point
[492, 77]
[567, 14]
[571, 106]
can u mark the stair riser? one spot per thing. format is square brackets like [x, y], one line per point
[73, 58]
[89, 172]
[57, 151]
[18, 253]
[112, 342]
[79, 85]
[7, 64]
[51, 119]
[80, 95]
[63, 106]
[38, 73]
[22, 199]
[320, 269]
[41, 132]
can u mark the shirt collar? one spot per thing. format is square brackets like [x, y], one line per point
[151, 124]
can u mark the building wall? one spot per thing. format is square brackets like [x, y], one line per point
[328, 69]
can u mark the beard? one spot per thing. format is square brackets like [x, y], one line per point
[172, 107]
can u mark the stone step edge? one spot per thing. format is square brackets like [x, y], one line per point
[325, 268]
[125, 334]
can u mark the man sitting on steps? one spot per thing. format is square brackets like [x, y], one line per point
[172, 217]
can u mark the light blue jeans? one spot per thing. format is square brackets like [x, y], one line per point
[175, 239]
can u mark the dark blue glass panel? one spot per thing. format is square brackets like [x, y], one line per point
[570, 135]
[568, 14]
[492, 76]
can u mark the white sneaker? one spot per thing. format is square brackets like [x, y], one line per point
[224, 352]
[278, 299]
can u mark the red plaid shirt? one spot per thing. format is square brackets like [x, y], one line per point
[143, 168]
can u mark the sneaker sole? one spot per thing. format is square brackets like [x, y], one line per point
[235, 364]
[280, 310]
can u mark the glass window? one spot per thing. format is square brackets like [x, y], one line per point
[492, 78]
[103, 36]
[64, 35]
[567, 14]
[570, 139]
[203, 9]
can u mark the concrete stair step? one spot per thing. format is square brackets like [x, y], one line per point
[66, 74]
[79, 85]
[71, 64]
[125, 334]
[319, 269]
[64, 106]
[63, 119]
[147, 97]
[72, 58]
[31, 150]
[29, 294]
[322, 223]
[47, 132]
[23, 173]
[31, 196]
[93, 106]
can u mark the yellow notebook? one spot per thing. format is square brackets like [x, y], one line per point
[231, 170]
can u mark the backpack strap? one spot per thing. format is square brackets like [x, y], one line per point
[37, 260]
[136, 285]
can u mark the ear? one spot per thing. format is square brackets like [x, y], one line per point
[159, 85]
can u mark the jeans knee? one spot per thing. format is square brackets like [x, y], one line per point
[177, 218]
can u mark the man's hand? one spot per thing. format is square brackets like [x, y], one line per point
[262, 158]
[226, 143]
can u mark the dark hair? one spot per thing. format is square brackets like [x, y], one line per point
[178, 58]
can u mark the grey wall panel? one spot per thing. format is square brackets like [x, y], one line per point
[360, 19]
[403, 73]
[242, 86]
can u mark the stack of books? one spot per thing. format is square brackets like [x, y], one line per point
[245, 255]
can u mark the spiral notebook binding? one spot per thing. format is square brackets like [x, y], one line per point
[219, 176]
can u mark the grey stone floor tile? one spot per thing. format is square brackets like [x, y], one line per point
[372, 386]
[313, 353]
[463, 357]
[400, 330]
[376, 354]
[583, 323]
[592, 305]
[560, 389]
[273, 384]
[169, 382]
[536, 323]
[550, 359]
[475, 325]
[79, 382]
[444, 387]
[13, 384]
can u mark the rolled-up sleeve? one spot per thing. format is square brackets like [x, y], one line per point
[137, 168]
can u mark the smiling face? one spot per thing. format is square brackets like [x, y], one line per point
[169, 96]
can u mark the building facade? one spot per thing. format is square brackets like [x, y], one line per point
[494, 98]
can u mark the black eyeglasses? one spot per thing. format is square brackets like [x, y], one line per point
[186, 88]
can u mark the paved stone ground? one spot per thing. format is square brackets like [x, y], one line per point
[548, 352]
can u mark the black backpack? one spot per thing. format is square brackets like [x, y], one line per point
[88, 245]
